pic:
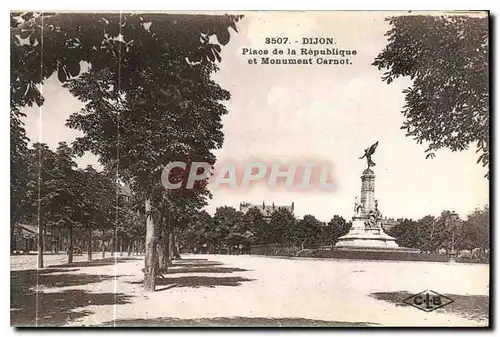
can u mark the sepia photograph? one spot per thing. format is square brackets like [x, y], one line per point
[250, 169]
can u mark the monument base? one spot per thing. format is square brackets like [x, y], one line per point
[367, 240]
[378, 253]
[361, 237]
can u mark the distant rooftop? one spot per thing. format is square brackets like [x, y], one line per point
[265, 210]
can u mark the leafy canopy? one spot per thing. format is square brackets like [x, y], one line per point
[446, 57]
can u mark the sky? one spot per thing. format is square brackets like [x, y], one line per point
[323, 113]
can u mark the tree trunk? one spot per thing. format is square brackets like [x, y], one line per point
[44, 247]
[129, 247]
[161, 255]
[160, 243]
[150, 255]
[40, 244]
[56, 241]
[166, 257]
[113, 245]
[177, 254]
[103, 246]
[168, 248]
[89, 246]
[13, 239]
[70, 249]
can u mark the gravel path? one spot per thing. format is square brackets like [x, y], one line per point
[221, 290]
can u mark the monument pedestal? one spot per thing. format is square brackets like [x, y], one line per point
[359, 236]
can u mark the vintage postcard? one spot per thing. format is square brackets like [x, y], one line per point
[250, 169]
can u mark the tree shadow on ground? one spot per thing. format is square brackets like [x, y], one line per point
[56, 309]
[233, 322]
[198, 266]
[197, 282]
[475, 307]
[184, 260]
[194, 265]
[191, 263]
[94, 263]
[201, 281]
[22, 280]
[194, 269]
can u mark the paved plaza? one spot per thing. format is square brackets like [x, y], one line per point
[221, 290]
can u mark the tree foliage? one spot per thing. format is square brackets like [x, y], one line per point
[227, 225]
[60, 196]
[148, 95]
[407, 233]
[19, 169]
[254, 221]
[199, 232]
[280, 226]
[476, 230]
[446, 57]
[47, 43]
[334, 229]
[445, 233]
[129, 56]
[307, 231]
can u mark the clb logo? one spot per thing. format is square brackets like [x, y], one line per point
[428, 300]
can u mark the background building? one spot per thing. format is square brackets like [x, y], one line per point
[265, 210]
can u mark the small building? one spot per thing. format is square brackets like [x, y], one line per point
[265, 210]
[24, 239]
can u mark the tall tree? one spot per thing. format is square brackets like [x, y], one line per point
[334, 229]
[446, 57]
[307, 230]
[254, 221]
[280, 226]
[42, 191]
[177, 208]
[99, 206]
[227, 221]
[427, 227]
[147, 88]
[477, 230]
[52, 190]
[196, 233]
[167, 110]
[19, 171]
[406, 233]
[132, 222]
[66, 205]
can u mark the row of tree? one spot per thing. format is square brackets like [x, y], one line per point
[445, 233]
[81, 203]
[148, 100]
[229, 227]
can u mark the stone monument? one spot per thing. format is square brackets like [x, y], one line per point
[366, 230]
